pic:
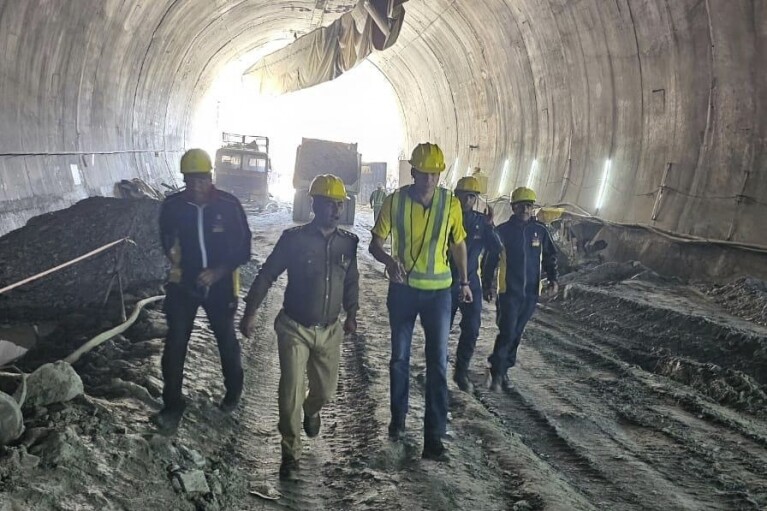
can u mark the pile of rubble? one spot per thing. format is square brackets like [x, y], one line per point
[58, 237]
[745, 297]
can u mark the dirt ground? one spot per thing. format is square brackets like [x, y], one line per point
[631, 392]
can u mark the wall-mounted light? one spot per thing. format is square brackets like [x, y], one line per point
[504, 175]
[533, 169]
[603, 186]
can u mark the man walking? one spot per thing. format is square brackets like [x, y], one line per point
[321, 261]
[205, 235]
[527, 246]
[424, 222]
[480, 236]
[376, 200]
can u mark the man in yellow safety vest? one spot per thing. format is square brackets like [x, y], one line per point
[425, 222]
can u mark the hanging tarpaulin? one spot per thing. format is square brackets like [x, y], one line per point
[328, 52]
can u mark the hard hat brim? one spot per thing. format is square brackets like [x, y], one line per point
[427, 171]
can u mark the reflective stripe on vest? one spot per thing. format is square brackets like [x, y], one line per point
[430, 270]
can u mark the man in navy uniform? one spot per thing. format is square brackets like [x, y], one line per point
[527, 247]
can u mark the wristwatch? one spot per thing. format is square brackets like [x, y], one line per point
[464, 284]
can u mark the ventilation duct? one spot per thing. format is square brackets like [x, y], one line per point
[328, 52]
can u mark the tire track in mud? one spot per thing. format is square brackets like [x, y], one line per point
[543, 437]
[647, 465]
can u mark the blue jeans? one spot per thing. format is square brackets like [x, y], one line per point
[471, 320]
[513, 314]
[405, 304]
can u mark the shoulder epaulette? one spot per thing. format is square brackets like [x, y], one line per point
[348, 234]
[295, 230]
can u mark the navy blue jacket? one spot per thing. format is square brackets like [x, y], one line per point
[197, 237]
[480, 236]
[527, 248]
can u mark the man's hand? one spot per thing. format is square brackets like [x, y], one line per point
[553, 289]
[489, 212]
[350, 325]
[464, 295]
[210, 276]
[489, 295]
[248, 323]
[396, 271]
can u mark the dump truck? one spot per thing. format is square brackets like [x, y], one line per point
[242, 168]
[315, 157]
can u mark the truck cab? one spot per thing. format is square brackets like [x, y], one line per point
[242, 168]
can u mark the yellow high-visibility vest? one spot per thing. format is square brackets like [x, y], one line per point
[426, 265]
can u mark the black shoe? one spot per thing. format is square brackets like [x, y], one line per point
[288, 468]
[462, 380]
[506, 383]
[396, 431]
[496, 383]
[312, 425]
[168, 418]
[227, 406]
[434, 450]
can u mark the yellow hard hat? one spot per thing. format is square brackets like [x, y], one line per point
[548, 215]
[196, 161]
[469, 184]
[523, 194]
[428, 158]
[328, 185]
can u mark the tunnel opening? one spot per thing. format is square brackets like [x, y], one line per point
[358, 107]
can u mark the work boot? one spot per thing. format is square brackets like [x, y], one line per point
[506, 384]
[228, 404]
[496, 383]
[435, 450]
[396, 431]
[168, 418]
[312, 425]
[288, 468]
[462, 380]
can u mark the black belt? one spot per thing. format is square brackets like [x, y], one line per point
[312, 325]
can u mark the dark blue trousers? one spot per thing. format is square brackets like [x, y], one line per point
[181, 307]
[471, 320]
[405, 304]
[513, 313]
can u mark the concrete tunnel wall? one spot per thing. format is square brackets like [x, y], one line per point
[99, 90]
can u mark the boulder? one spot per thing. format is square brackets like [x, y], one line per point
[56, 382]
[11, 420]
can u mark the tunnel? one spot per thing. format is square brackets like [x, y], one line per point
[670, 93]
[641, 383]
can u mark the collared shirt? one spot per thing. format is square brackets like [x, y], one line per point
[322, 274]
[200, 236]
[480, 237]
[412, 227]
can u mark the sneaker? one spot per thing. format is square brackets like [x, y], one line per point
[496, 384]
[312, 425]
[462, 380]
[396, 431]
[168, 419]
[434, 450]
[288, 468]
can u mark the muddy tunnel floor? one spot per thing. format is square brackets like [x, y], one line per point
[635, 395]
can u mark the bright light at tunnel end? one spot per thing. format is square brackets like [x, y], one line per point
[603, 185]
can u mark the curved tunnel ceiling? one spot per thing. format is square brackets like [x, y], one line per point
[672, 92]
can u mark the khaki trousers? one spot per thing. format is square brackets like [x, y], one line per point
[316, 352]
